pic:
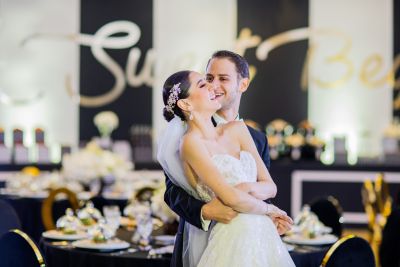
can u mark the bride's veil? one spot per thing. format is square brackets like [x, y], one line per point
[194, 239]
[168, 154]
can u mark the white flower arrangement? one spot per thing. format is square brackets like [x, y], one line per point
[92, 162]
[106, 122]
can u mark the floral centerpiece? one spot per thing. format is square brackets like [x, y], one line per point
[93, 162]
[106, 122]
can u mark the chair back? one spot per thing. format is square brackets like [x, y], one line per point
[329, 212]
[377, 201]
[17, 249]
[349, 251]
[47, 206]
[377, 205]
[9, 218]
[389, 250]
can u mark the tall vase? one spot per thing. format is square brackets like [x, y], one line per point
[105, 142]
[106, 183]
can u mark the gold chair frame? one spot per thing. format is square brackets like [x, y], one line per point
[378, 206]
[333, 248]
[32, 244]
[47, 214]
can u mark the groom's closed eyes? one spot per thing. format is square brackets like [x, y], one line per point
[222, 77]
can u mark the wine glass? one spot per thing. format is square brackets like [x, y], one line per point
[142, 214]
[112, 214]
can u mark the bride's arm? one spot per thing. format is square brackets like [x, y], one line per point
[199, 160]
[265, 187]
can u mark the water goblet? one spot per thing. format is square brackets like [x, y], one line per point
[112, 215]
[141, 211]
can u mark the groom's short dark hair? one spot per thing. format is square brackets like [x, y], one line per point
[242, 67]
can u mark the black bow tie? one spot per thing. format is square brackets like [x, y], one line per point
[213, 121]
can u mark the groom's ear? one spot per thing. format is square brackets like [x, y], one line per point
[183, 105]
[244, 84]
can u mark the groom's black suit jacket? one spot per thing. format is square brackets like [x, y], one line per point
[188, 208]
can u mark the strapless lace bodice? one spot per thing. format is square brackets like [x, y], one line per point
[234, 170]
[250, 240]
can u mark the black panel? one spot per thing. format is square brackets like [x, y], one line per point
[134, 105]
[396, 46]
[275, 91]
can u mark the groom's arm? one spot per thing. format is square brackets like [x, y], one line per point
[183, 204]
[194, 211]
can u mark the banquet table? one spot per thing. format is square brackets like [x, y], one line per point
[29, 211]
[64, 255]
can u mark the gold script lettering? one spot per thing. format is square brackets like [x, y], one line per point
[370, 68]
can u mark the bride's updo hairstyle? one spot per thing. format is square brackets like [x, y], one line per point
[175, 87]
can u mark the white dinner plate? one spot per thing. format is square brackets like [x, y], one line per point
[113, 244]
[289, 247]
[115, 196]
[84, 195]
[324, 230]
[59, 235]
[25, 193]
[164, 239]
[317, 241]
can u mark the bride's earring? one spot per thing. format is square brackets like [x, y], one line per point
[191, 116]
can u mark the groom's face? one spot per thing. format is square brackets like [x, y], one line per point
[222, 74]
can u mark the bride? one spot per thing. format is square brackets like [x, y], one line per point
[219, 162]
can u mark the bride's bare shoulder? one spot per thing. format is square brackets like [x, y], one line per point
[189, 139]
[233, 126]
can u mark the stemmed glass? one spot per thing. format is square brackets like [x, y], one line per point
[141, 211]
[112, 215]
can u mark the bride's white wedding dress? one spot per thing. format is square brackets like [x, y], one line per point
[248, 240]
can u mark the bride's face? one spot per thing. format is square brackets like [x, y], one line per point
[201, 94]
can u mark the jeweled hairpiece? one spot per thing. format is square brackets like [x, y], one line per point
[173, 97]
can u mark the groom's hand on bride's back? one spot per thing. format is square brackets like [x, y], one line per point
[215, 210]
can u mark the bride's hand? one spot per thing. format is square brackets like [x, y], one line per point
[281, 220]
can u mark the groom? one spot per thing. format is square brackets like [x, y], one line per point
[229, 73]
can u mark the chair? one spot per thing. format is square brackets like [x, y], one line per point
[47, 206]
[329, 212]
[389, 250]
[144, 194]
[349, 251]
[378, 205]
[17, 249]
[9, 218]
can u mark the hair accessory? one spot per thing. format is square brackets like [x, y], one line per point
[173, 97]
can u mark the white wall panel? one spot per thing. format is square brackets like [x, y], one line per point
[185, 38]
[344, 99]
[32, 73]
